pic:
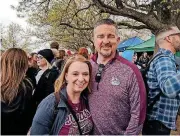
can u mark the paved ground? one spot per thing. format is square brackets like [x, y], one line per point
[178, 127]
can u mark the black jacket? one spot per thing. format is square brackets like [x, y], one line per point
[142, 61]
[45, 85]
[16, 117]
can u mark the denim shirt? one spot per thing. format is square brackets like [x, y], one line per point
[44, 122]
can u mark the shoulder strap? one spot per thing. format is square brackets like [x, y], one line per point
[73, 113]
[29, 81]
[57, 100]
[157, 55]
[149, 63]
[55, 112]
[157, 97]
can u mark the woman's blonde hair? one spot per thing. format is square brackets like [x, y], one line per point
[60, 82]
[49, 66]
[14, 64]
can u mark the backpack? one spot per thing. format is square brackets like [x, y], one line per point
[143, 73]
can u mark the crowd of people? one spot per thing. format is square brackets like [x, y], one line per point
[142, 61]
[53, 92]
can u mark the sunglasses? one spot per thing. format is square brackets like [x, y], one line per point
[175, 34]
[98, 75]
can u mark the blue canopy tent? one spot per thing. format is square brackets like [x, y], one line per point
[127, 54]
[145, 46]
[129, 42]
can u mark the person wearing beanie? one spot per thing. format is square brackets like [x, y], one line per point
[47, 54]
[45, 77]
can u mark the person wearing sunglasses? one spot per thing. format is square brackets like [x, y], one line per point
[45, 77]
[118, 99]
[66, 112]
[163, 80]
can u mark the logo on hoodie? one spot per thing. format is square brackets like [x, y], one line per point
[115, 81]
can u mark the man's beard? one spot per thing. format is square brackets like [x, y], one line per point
[176, 45]
[106, 54]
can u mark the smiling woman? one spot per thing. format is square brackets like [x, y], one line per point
[73, 117]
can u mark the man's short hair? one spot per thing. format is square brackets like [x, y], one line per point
[167, 31]
[54, 45]
[106, 21]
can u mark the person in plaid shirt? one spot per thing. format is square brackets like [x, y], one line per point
[164, 80]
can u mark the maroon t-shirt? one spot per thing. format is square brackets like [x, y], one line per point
[70, 126]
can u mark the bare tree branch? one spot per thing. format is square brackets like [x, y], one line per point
[119, 3]
[131, 13]
[135, 3]
[84, 9]
[132, 26]
[78, 28]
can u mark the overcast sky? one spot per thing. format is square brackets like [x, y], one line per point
[8, 15]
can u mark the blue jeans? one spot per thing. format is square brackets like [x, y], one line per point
[155, 127]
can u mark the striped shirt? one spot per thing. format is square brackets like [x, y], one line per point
[163, 77]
